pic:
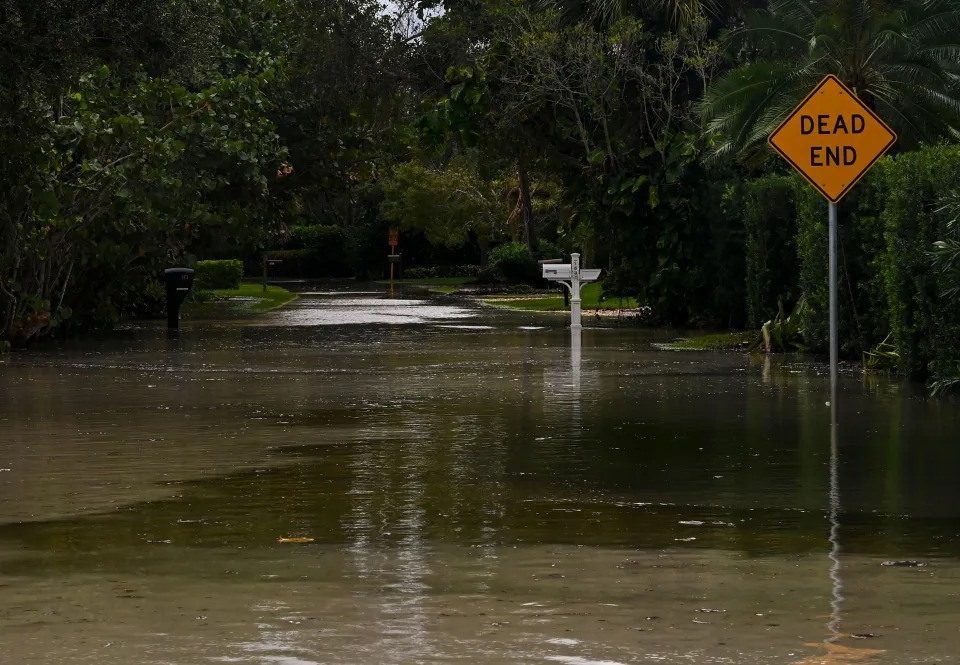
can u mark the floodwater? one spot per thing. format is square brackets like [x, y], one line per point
[477, 488]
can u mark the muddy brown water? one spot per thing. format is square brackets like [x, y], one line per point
[477, 490]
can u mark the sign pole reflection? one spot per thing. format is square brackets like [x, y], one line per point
[836, 603]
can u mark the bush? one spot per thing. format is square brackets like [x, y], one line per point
[296, 263]
[924, 320]
[146, 299]
[548, 250]
[316, 237]
[218, 274]
[514, 262]
[4, 346]
[420, 273]
[312, 251]
[888, 228]
[429, 272]
[768, 208]
[467, 270]
[487, 275]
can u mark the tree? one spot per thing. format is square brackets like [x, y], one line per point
[449, 204]
[901, 58]
[112, 172]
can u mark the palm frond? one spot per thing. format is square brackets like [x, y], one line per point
[903, 58]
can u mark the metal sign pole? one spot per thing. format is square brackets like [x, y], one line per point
[393, 250]
[834, 341]
[575, 295]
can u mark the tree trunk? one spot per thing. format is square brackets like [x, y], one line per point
[529, 227]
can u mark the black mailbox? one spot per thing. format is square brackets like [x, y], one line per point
[178, 282]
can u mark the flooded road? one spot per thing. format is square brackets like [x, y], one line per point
[476, 489]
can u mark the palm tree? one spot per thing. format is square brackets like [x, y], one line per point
[902, 57]
[607, 12]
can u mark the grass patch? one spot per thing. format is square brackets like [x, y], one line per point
[589, 299]
[735, 341]
[445, 289]
[250, 298]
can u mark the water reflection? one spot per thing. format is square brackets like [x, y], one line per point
[494, 492]
[836, 604]
[311, 311]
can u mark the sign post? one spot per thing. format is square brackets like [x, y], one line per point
[832, 138]
[393, 241]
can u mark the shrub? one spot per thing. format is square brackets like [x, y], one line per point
[887, 284]
[487, 275]
[466, 270]
[419, 273]
[316, 237]
[144, 299]
[218, 274]
[514, 262]
[4, 346]
[312, 251]
[548, 250]
[924, 320]
[296, 263]
[768, 208]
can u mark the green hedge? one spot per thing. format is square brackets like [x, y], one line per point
[515, 263]
[925, 324]
[887, 283]
[306, 263]
[312, 252]
[315, 237]
[218, 274]
[768, 208]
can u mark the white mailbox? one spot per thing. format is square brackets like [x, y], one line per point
[571, 276]
[557, 271]
[589, 275]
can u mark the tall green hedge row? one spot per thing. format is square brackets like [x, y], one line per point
[888, 226]
[312, 251]
[218, 274]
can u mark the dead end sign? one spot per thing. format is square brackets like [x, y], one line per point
[832, 138]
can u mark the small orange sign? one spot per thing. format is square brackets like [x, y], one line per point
[394, 237]
[832, 138]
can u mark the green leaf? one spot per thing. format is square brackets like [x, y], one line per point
[596, 157]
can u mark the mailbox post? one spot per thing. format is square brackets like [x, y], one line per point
[560, 272]
[178, 282]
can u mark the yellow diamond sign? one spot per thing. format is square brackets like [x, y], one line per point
[832, 138]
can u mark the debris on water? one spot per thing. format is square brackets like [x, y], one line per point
[863, 636]
[295, 539]
[707, 610]
[691, 522]
[703, 622]
[686, 540]
[904, 564]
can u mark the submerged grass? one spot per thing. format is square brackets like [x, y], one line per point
[589, 299]
[250, 298]
[734, 341]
